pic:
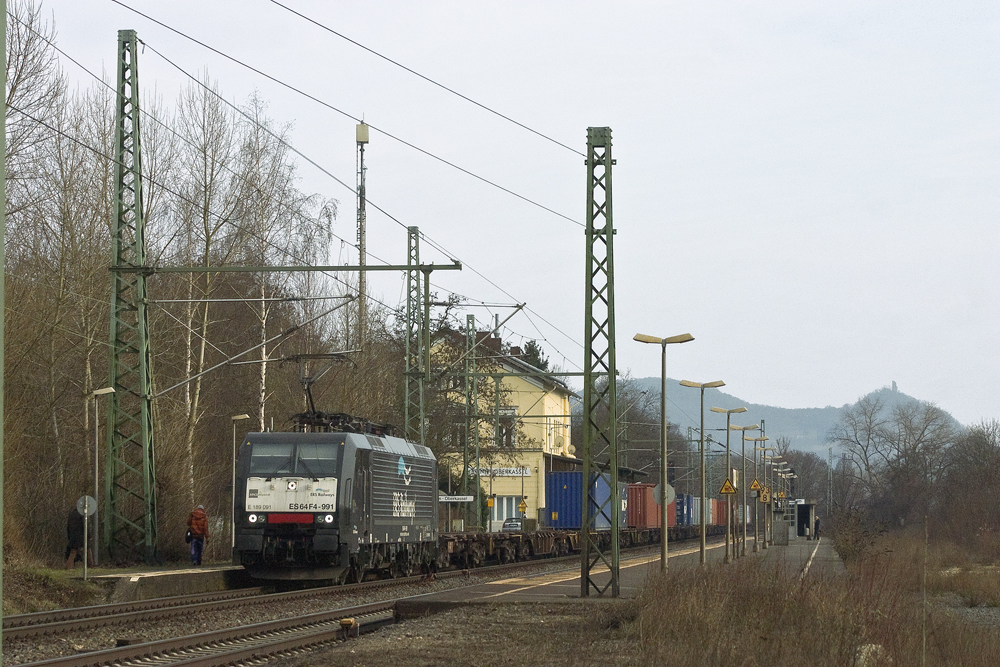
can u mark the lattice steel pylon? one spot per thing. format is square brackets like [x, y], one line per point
[130, 480]
[413, 376]
[600, 409]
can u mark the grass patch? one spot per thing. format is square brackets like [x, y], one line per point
[753, 612]
[29, 587]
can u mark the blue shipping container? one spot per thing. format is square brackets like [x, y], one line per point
[684, 509]
[564, 498]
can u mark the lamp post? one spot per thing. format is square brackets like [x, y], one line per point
[232, 501]
[743, 486]
[663, 342]
[729, 468]
[756, 504]
[94, 394]
[704, 499]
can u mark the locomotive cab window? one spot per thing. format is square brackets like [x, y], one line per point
[317, 460]
[271, 459]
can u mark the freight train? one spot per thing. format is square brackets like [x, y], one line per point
[355, 503]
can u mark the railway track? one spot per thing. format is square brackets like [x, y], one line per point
[233, 646]
[79, 618]
[64, 621]
[242, 643]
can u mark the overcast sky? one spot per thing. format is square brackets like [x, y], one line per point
[810, 189]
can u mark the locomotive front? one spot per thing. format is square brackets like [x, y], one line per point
[287, 500]
[327, 506]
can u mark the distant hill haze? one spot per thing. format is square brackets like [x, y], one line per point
[806, 428]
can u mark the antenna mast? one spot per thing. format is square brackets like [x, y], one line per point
[362, 138]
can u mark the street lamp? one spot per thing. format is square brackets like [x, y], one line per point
[756, 504]
[232, 502]
[94, 394]
[729, 469]
[743, 486]
[663, 342]
[704, 499]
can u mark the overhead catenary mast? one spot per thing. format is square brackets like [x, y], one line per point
[130, 527]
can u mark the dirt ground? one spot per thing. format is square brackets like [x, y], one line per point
[581, 634]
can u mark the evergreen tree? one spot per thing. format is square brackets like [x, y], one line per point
[534, 355]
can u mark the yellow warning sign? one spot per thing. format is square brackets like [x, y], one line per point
[755, 486]
[522, 507]
[727, 488]
[781, 494]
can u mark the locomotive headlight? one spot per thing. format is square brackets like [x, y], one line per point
[292, 484]
[252, 518]
[257, 518]
[328, 518]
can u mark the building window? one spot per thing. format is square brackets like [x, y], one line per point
[505, 507]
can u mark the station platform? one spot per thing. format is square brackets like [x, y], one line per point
[804, 556]
[132, 585]
[799, 557]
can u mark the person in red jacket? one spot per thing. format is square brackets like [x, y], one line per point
[198, 525]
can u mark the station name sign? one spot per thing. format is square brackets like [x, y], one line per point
[522, 471]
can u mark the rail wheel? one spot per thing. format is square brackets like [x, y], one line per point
[403, 567]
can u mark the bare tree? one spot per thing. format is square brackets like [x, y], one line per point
[211, 196]
[859, 432]
[895, 454]
[968, 507]
[35, 86]
[278, 224]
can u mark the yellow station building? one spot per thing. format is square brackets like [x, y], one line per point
[539, 405]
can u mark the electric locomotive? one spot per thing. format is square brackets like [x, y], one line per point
[334, 505]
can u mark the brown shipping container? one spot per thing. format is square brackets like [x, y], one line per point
[643, 512]
[719, 512]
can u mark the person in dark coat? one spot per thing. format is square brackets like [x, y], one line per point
[74, 538]
[198, 525]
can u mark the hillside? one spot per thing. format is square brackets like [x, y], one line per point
[807, 428]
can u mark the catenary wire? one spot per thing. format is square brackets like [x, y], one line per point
[283, 142]
[348, 115]
[427, 78]
[438, 246]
